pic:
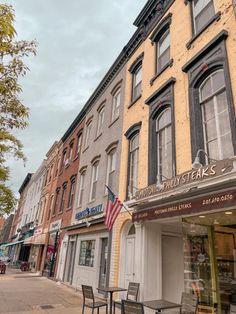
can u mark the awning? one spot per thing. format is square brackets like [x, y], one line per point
[10, 244]
[36, 240]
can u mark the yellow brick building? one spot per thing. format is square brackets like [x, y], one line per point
[182, 75]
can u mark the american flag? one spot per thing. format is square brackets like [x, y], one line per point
[113, 208]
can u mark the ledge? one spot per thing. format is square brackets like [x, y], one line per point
[214, 18]
[97, 137]
[134, 101]
[113, 122]
[168, 64]
[160, 90]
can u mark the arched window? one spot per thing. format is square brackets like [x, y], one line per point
[217, 132]
[164, 144]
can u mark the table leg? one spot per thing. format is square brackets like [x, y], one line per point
[111, 297]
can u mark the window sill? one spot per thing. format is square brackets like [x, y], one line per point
[85, 149]
[68, 208]
[76, 157]
[113, 122]
[214, 18]
[134, 101]
[98, 136]
[61, 212]
[168, 64]
[67, 166]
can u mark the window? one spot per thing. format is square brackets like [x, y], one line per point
[63, 159]
[58, 164]
[116, 101]
[111, 168]
[94, 181]
[63, 198]
[215, 117]
[71, 151]
[56, 203]
[50, 206]
[81, 188]
[203, 11]
[72, 193]
[87, 249]
[51, 172]
[164, 144]
[79, 141]
[88, 134]
[137, 82]
[133, 163]
[163, 50]
[101, 114]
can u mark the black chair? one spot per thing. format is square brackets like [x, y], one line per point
[189, 303]
[89, 301]
[232, 309]
[132, 294]
[131, 307]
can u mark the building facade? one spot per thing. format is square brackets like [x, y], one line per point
[178, 153]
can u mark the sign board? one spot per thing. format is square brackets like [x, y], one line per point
[55, 225]
[213, 170]
[192, 206]
[89, 212]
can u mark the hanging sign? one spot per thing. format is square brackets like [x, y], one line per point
[194, 175]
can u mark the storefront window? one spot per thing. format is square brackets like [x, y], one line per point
[210, 259]
[197, 263]
[87, 249]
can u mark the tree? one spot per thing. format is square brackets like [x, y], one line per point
[13, 113]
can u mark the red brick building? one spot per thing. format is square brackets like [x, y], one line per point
[61, 210]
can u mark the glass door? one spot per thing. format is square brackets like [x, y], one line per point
[103, 263]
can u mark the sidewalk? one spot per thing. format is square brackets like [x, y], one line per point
[24, 292]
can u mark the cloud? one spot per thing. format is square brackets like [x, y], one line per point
[77, 43]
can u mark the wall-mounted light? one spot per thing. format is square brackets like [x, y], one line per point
[196, 163]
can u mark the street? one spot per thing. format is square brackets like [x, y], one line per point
[27, 293]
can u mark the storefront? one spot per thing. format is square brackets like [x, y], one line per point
[52, 248]
[184, 235]
[86, 257]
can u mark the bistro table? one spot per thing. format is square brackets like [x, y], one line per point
[159, 305]
[111, 290]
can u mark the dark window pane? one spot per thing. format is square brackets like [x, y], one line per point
[204, 16]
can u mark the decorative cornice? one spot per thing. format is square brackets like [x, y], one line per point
[214, 42]
[133, 129]
[160, 90]
[136, 62]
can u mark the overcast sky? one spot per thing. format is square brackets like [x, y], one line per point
[78, 40]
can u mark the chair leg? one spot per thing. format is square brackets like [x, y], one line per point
[98, 310]
[114, 308]
[83, 309]
[92, 310]
[106, 309]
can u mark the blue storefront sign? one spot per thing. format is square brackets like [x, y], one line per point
[89, 212]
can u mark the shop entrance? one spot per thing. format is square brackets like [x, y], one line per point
[210, 258]
[130, 255]
[103, 263]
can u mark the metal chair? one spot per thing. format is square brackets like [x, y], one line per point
[189, 303]
[232, 309]
[132, 294]
[89, 300]
[131, 307]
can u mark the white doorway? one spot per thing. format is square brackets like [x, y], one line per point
[172, 268]
[129, 261]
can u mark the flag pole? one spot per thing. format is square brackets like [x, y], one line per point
[122, 203]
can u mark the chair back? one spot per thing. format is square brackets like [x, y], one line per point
[132, 293]
[131, 307]
[232, 309]
[87, 293]
[189, 303]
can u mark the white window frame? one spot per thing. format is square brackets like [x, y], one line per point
[72, 194]
[116, 102]
[135, 84]
[110, 164]
[94, 180]
[132, 188]
[159, 55]
[101, 115]
[81, 188]
[88, 134]
[79, 143]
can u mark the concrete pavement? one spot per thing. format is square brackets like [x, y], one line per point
[27, 293]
